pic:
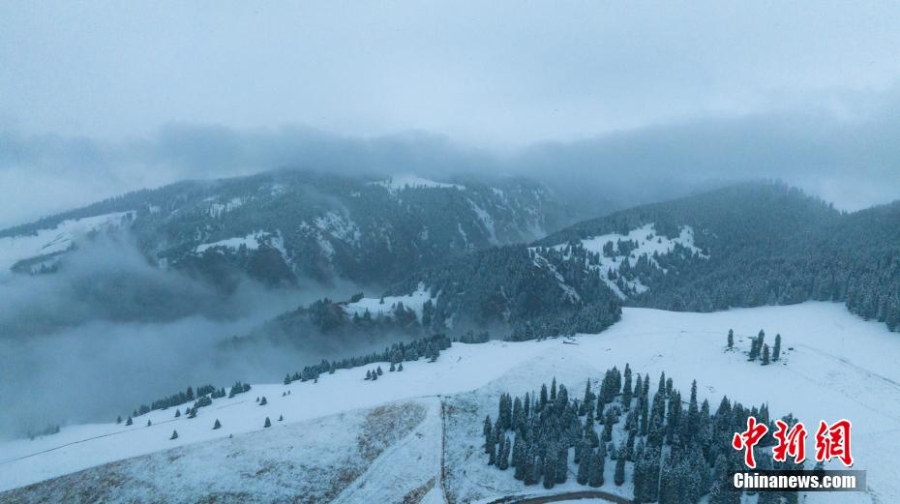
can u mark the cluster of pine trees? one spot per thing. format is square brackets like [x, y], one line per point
[203, 396]
[759, 349]
[537, 296]
[677, 451]
[180, 398]
[397, 353]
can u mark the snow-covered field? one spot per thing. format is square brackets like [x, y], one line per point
[834, 366]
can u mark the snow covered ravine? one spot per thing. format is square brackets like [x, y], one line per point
[834, 366]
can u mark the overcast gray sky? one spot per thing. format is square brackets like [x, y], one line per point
[87, 88]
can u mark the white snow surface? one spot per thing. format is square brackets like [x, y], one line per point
[834, 366]
[648, 243]
[58, 239]
[338, 226]
[413, 301]
[410, 181]
[252, 241]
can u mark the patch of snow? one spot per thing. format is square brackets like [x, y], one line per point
[216, 210]
[487, 221]
[414, 301]
[252, 241]
[338, 226]
[409, 181]
[649, 244]
[55, 240]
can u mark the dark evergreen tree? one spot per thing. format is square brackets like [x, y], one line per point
[765, 355]
[129, 421]
[174, 435]
[776, 351]
[488, 432]
[646, 475]
[505, 447]
[730, 338]
[217, 425]
[549, 469]
[584, 463]
[626, 390]
[267, 424]
[619, 477]
[177, 412]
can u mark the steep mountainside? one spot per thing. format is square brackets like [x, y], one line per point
[283, 225]
[747, 245]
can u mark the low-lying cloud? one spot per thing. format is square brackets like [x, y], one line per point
[109, 331]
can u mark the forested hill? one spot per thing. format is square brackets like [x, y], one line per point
[283, 225]
[748, 245]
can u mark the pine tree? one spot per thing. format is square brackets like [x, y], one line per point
[776, 351]
[149, 423]
[491, 448]
[379, 371]
[692, 428]
[549, 469]
[287, 379]
[129, 421]
[119, 419]
[368, 374]
[392, 368]
[646, 475]
[503, 463]
[562, 465]
[595, 476]
[488, 435]
[263, 401]
[584, 464]
[217, 425]
[400, 367]
[626, 391]
[730, 338]
[765, 355]
[280, 418]
[267, 424]
[619, 477]
[174, 435]
[177, 412]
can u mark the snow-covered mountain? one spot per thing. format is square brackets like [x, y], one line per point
[747, 245]
[416, 435]
[280, 226]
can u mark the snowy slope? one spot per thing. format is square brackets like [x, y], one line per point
[386, 305]
[51, 241]
[839, 367]
[315, 460]
[648, 243]
[411, 181]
